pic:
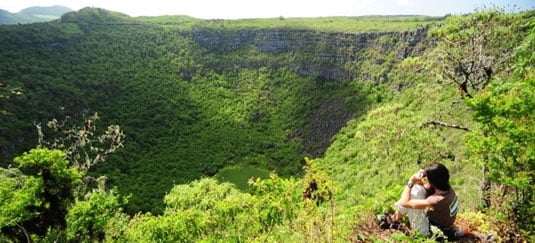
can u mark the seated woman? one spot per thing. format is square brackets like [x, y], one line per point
[428, 199]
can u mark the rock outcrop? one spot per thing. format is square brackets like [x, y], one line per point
[323, 55]
[330, 57]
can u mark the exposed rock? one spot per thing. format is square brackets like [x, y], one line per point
[322, 55]
[333, 57]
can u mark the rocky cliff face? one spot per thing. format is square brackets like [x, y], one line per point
[331, 57]
[325, 55]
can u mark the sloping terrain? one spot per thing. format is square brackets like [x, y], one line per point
[342, 110]
[33, 15]
[194, 100]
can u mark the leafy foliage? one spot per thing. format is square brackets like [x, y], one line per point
[475, 48]
[199, 98]
[208, 210]
[53, 180]
[40, 198]
[188, 108]
[17, 194]
[505, 143]
[89, 219]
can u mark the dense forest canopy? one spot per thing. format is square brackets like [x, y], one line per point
[194, 100]
[146, 120]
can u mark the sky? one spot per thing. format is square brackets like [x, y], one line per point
[239, 9]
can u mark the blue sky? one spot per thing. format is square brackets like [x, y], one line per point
[236, 9]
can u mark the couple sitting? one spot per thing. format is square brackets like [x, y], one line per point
[428, 199]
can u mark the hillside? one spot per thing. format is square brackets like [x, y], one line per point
[343, 108]
[33, 14]
[192, 101]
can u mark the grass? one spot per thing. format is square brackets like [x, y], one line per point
[240, 175]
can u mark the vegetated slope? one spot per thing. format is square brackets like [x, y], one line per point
[194, 98]
[361, 173]
[428, 120]
[372, 157]
[33, 14]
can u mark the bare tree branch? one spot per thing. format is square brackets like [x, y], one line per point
[25, 232]
[444, 124]
[472, 55]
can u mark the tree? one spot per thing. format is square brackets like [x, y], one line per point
[505, 143]
[37, 194]
[45, 185]
[82, 148]
[89, 220]
[6, 91]
[473, 49]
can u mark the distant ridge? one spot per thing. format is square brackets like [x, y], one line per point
[33, 14]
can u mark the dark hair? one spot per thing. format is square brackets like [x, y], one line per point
[438, 176]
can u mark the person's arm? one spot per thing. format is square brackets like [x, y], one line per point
[406, 200]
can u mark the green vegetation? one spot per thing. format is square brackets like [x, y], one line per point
[363, 24]
[189, 103]
[340, 110]
[32, 15]
[37, 202]
[240, 175]
[504, 142]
